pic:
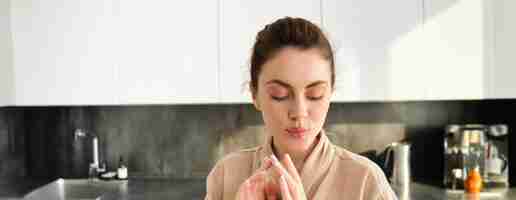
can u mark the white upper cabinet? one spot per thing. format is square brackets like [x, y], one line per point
[105, 52]
[422, 50]
[168, 52]
[501, 79]
[6, 68]
[240, 21]
[376, 51]
[454, 39]
[63, 52]
[469, 46]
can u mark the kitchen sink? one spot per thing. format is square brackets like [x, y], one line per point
[75, 189]
[133, 189]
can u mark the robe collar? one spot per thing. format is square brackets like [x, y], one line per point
[316, 164]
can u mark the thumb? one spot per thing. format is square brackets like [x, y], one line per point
[285, 191]
[266, 163]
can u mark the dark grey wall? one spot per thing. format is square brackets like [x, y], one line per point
[12, 144]
[185, 141]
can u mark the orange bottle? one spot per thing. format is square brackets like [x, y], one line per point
[473, 183]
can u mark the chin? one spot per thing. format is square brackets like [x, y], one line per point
[298, 143]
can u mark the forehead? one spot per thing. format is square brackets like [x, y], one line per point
[297, 67]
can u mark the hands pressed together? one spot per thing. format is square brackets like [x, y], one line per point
[274, 180]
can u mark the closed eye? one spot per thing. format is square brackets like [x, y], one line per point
[315, 98]
[276, 98]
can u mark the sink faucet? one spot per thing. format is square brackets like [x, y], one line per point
[94, 167]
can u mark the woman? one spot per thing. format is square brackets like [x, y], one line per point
[292, 80]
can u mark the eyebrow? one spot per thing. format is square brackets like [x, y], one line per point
[279, 82]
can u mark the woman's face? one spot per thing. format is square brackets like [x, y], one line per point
[294, 90]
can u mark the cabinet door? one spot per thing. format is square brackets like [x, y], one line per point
[375, 48]
[240, 22]
[63, 52]
[501, 81]
[168, 52]
[454, 39]
[6, 67]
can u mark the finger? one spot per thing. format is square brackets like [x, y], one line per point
[266, 163]
[289, 165]
[285, 192]
[258, 185]
[279, 167]
[283, 172]
[253, 187]
[251, 191]
[272, 188]
[244, 193]
[258, 176]
[241, 192]
[272, 197]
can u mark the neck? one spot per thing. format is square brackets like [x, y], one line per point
[298, 157]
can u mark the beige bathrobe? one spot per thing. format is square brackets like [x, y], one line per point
[330, 172]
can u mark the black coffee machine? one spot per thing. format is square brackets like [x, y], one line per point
[480, 146]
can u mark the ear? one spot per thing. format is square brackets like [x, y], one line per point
[256, 102]
[254, 92]
[332, 93]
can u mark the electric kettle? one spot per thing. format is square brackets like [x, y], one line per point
[399, 155]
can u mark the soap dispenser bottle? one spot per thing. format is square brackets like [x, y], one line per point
[122, 170]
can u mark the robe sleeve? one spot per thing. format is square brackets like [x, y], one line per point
[215, 183]
[377, 187]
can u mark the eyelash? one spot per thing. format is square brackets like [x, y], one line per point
[285, 97]
[279, 98]
[315, 98]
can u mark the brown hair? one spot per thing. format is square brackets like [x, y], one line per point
[288, 32]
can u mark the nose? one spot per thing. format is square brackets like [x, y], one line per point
[298, 109]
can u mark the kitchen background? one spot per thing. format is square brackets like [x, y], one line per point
[184, 141]
[160, 82]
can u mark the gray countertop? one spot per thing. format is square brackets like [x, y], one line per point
[180, 189]
[130, 189]
[430, 192]
[17, 188]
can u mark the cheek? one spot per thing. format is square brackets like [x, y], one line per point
[272, 111]
[276, 111]
[319, 110]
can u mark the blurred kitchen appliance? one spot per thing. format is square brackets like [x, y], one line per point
[399, 155]
[471, 146]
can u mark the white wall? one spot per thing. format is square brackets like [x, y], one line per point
[6, 69]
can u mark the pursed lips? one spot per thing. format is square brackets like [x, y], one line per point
[296, 131]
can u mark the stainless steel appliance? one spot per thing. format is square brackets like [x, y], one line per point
[399, 153]
[476, 145]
